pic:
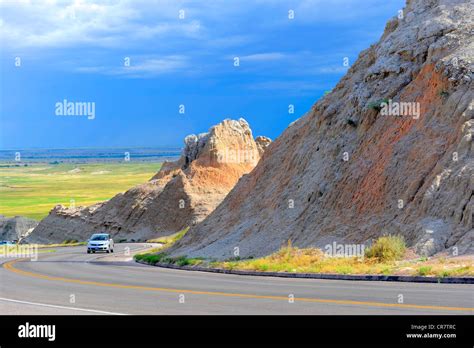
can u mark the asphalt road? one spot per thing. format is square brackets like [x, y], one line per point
[69, 281]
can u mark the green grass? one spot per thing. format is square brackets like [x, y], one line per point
[64, 244]
[313, 260]
[168, 241]
[386, 258]
[152, 257]
[165, 259]
[307, 260]
[424, 270]
[32, 191]
[70, 241]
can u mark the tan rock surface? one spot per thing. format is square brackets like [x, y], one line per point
[181, 194]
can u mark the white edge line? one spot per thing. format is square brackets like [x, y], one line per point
[61, 307]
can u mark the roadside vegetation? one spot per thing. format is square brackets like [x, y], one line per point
[387, 248]
[66, 243]
[158, 255]
[386, 256]
[168, 241]
[23, 249]
[42, 248]
[163, 258]
[32, 191]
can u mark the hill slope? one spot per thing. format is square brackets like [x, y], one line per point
[15, 228]
[354, 167]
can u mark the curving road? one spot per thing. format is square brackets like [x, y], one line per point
[69, 281]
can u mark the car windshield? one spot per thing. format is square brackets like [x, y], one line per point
[99, 237]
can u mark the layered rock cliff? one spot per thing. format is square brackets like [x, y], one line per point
[388, 151]
[181, 194]
[16, 228]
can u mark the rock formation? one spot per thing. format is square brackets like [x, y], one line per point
[181, 194]
[15, 228]
[388, 151]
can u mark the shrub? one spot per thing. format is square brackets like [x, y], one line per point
[424, 270]
[70, 241]
[181, 261]
[443, 93]
[163, 258]
[444, 274]
[377, 105]
[387, 248]
[168, 241]
[149, 258]
[152, 258]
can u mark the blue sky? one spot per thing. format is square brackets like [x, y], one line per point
[77, 50]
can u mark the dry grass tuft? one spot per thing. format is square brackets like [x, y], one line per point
[387, 248]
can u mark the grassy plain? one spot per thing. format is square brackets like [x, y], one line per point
[33, 190]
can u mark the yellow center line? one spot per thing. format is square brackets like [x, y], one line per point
[9, 266]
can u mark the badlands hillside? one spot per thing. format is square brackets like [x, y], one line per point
[181, 194]
[15, 228]
[388, 151]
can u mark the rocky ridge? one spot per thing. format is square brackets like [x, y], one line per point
[181, 194]
[16, 228]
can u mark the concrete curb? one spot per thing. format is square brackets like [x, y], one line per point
[364, 277]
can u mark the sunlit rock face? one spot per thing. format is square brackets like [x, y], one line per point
[181, 194]
[388, 151]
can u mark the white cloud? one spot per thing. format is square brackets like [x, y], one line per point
[142, 66]
[264, 57]
[118, 23]
[92, 36]
[155, 66]
[103, 24]
[296, 63]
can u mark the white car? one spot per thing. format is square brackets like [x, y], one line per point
[100, 242]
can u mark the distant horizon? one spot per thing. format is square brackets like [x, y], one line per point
[94, 147]
[88, 155]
